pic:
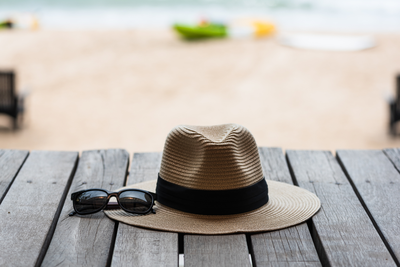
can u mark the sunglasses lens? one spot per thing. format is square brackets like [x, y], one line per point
[90, 201]
[135, 201]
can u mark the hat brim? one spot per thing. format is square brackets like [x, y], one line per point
[288, 205]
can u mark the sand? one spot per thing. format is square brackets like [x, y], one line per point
[129, 88]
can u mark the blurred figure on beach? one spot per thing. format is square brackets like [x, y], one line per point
[8, 24]
[21, 21]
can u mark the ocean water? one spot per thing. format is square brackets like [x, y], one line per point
[308, 15]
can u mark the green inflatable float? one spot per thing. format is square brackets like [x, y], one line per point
[207, 30]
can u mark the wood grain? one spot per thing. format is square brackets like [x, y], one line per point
[343, 232]
[86, 240]
[394, 155]
[377, 182]
[31, 207]
[143, 247]
[222, 250]
[145, 166]
[288, 247]
[10, 163]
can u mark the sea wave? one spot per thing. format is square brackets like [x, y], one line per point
[352, 15]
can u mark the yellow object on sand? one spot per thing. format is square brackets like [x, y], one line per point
[263, 28]
[251, 27]
[34, 23]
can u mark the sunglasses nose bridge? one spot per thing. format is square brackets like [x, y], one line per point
[111, 195]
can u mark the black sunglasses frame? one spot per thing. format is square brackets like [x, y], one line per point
[109, 195]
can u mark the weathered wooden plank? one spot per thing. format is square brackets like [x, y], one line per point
[377, 182]
[343, 232]
[10, 163]
[221, 250]
[86, 240]
[288, 247]
[145, 166]
[30, 210]
[225, 250]
[394, 155]
[143, 247]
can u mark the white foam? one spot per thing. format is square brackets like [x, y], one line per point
[368, 16]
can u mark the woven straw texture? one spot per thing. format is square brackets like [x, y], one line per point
[219, 157]
[211, 157]
[288, 205]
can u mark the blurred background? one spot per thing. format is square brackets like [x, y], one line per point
[116, 74]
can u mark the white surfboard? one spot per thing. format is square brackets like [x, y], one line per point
[327, 42]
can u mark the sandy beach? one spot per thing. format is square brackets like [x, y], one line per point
[129, 88]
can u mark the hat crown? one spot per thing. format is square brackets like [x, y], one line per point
[220, 157]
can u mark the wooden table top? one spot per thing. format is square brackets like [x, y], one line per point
[358, 224]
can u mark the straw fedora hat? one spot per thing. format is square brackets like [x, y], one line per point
[211, 182]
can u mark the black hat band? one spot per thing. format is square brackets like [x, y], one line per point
[212, 202]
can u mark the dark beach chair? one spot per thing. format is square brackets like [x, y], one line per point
[394, 107]
[11, 103]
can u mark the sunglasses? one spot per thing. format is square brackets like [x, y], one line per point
[130, 200]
